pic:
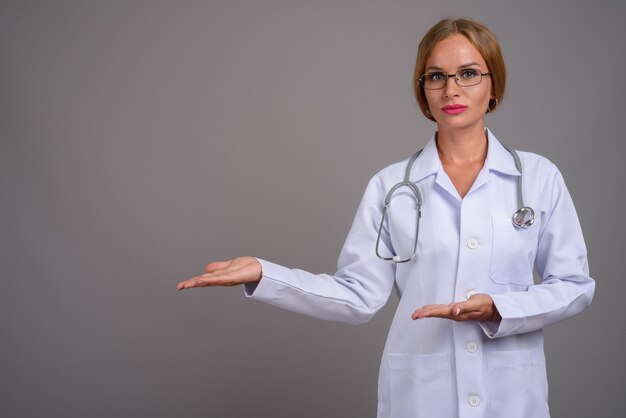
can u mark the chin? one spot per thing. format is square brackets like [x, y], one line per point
[458, 122]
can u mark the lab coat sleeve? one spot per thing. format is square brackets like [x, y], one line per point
[566, 288]
[359, 288]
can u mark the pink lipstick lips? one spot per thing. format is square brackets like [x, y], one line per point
[454, 109]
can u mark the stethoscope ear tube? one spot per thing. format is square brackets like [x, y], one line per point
[525, 215]
[418, 201]
[380, 229]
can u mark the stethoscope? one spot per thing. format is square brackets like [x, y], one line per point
[522, 218]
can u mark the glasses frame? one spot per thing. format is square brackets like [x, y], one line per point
[456, 79]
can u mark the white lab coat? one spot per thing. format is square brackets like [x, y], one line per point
[438, 368]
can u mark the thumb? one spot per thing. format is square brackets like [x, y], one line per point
[459, 308]
[216, 265]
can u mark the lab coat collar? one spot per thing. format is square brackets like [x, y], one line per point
[498, 159]
[427, 163]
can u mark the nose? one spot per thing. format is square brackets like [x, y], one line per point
[451, 88]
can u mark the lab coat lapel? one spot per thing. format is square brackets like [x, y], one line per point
[428, 164]
[498, 158]
[445, 183]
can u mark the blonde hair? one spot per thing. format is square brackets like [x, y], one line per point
[483, 40]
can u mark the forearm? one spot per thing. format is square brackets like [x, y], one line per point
[337, 298]
[540, 306]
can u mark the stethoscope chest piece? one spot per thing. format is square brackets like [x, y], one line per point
[524, 217]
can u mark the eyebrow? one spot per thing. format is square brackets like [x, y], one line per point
[469, 64]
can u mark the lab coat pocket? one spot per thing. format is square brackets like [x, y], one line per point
[517, 385]
[513, 252]
[421, 385]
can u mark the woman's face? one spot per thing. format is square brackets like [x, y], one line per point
[454, 107]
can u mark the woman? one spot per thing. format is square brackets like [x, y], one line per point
[466, 339]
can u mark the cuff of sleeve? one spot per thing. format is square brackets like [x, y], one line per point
[267, 288]
[502, 327]
[490, 328]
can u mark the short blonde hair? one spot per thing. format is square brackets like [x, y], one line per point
[483, 40]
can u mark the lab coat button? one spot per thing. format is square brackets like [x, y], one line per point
[472, 244]
[474, 400]
[471, 347]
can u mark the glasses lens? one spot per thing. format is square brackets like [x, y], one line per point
[433, 81]
[468, 77]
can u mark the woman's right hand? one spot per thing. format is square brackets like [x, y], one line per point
[239, 270]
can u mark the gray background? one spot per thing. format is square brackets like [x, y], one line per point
[141, 139]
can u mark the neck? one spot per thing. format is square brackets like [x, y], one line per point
[462, 146]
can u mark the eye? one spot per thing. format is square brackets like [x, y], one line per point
[435, 76]
[467, 74]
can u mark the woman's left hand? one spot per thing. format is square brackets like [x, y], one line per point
[478, 307]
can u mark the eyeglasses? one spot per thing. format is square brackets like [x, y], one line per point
[463, 78]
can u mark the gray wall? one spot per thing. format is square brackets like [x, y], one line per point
[141, 139]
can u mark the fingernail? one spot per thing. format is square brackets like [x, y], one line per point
[457, 311]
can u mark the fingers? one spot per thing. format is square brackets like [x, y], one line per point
[214, 276]
[433, 311]
[451, 311]
[226, 273]
[198, 281]
[477, 308]
[207, 279]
